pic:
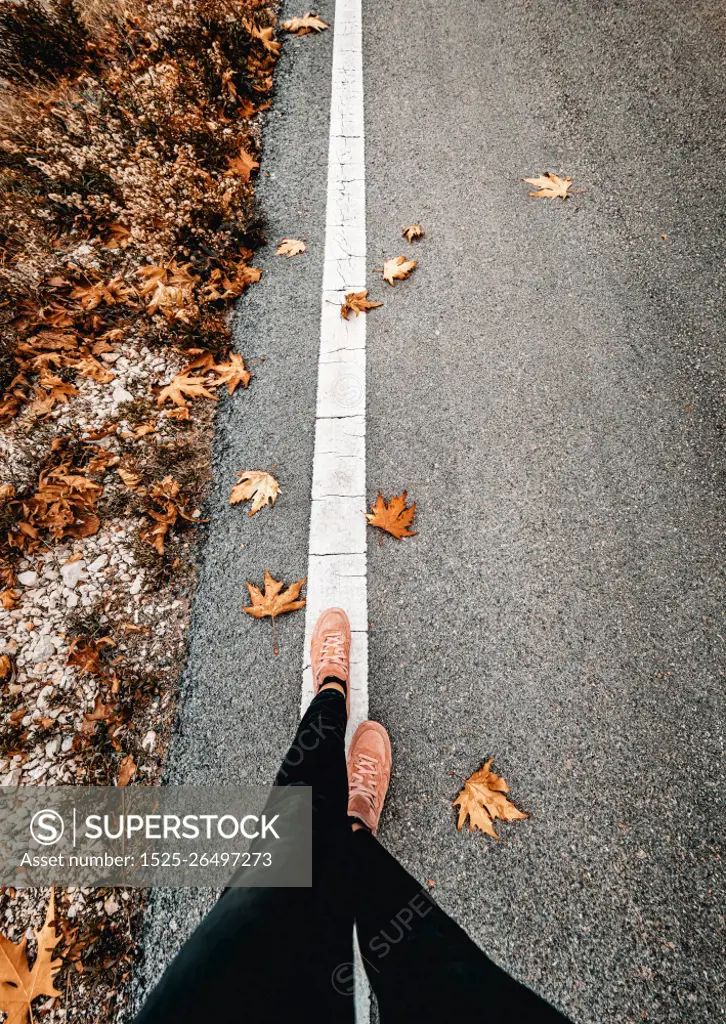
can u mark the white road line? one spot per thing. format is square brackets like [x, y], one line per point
[337, 548]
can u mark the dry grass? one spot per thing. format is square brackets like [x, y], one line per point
[128, 151]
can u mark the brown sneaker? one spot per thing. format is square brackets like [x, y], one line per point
[330, 650]
[369, 771]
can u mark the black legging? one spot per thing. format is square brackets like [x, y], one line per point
[286, 954]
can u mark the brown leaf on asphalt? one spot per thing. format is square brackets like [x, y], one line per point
[398, 268]
[395, 517]
[301, 26]
[290, 247]
[256, 486]
[357, 302]
[242, 165]
[483, 800]
[550, 186]
[412, 232]
[126, 771]
[275, 600]
[19, 983]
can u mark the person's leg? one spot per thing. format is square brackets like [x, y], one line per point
[268, 954]
[419, 962]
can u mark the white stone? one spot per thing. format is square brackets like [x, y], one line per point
[72, 600]
[98, 563]
[137, 584]
[149, 741]
[44, 649]
[72, 572]
[28, 579]
[120, 395]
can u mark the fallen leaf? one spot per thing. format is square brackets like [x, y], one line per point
[8, 598]
[242, 165]
[357, 302]
[19, 984]
[181, 386]
[412, 232]
[395, 518]
[126, 771]
[91, 367]
[232, 373]
[256, 486]
[483, 800]
[130, 477]
[275, 600]
[307, 23]
[550, 186]
[290, 247]
[398, 268]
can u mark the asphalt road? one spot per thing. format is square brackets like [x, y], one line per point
[548, 386]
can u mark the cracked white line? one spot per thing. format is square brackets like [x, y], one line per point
[337, 549]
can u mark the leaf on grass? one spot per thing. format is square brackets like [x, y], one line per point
[412, 232]
[398, 268]
[91, 367]
[307, 23]
[357, 302]
[395, 517]
[483, 800]
[256, 486]
[19, 984]
[126, 771]
[51, 391]
[242, 165]
[166, 505]
[550, 186]
[130, 477]
[275, 600]
[290, 247]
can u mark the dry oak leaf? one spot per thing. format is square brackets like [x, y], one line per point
[290, 247]
[91, 367]
[242, 165]
[275, 600]
[357, 302]
[256, 486]
[550, 186]
[127, 770]
[483, 799]
[19, 984]
[395, 518]
[412, 232]
[307, 23]
[398, 268]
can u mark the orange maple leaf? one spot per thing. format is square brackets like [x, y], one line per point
[395, 517]
[357, 302]
[484, 799]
